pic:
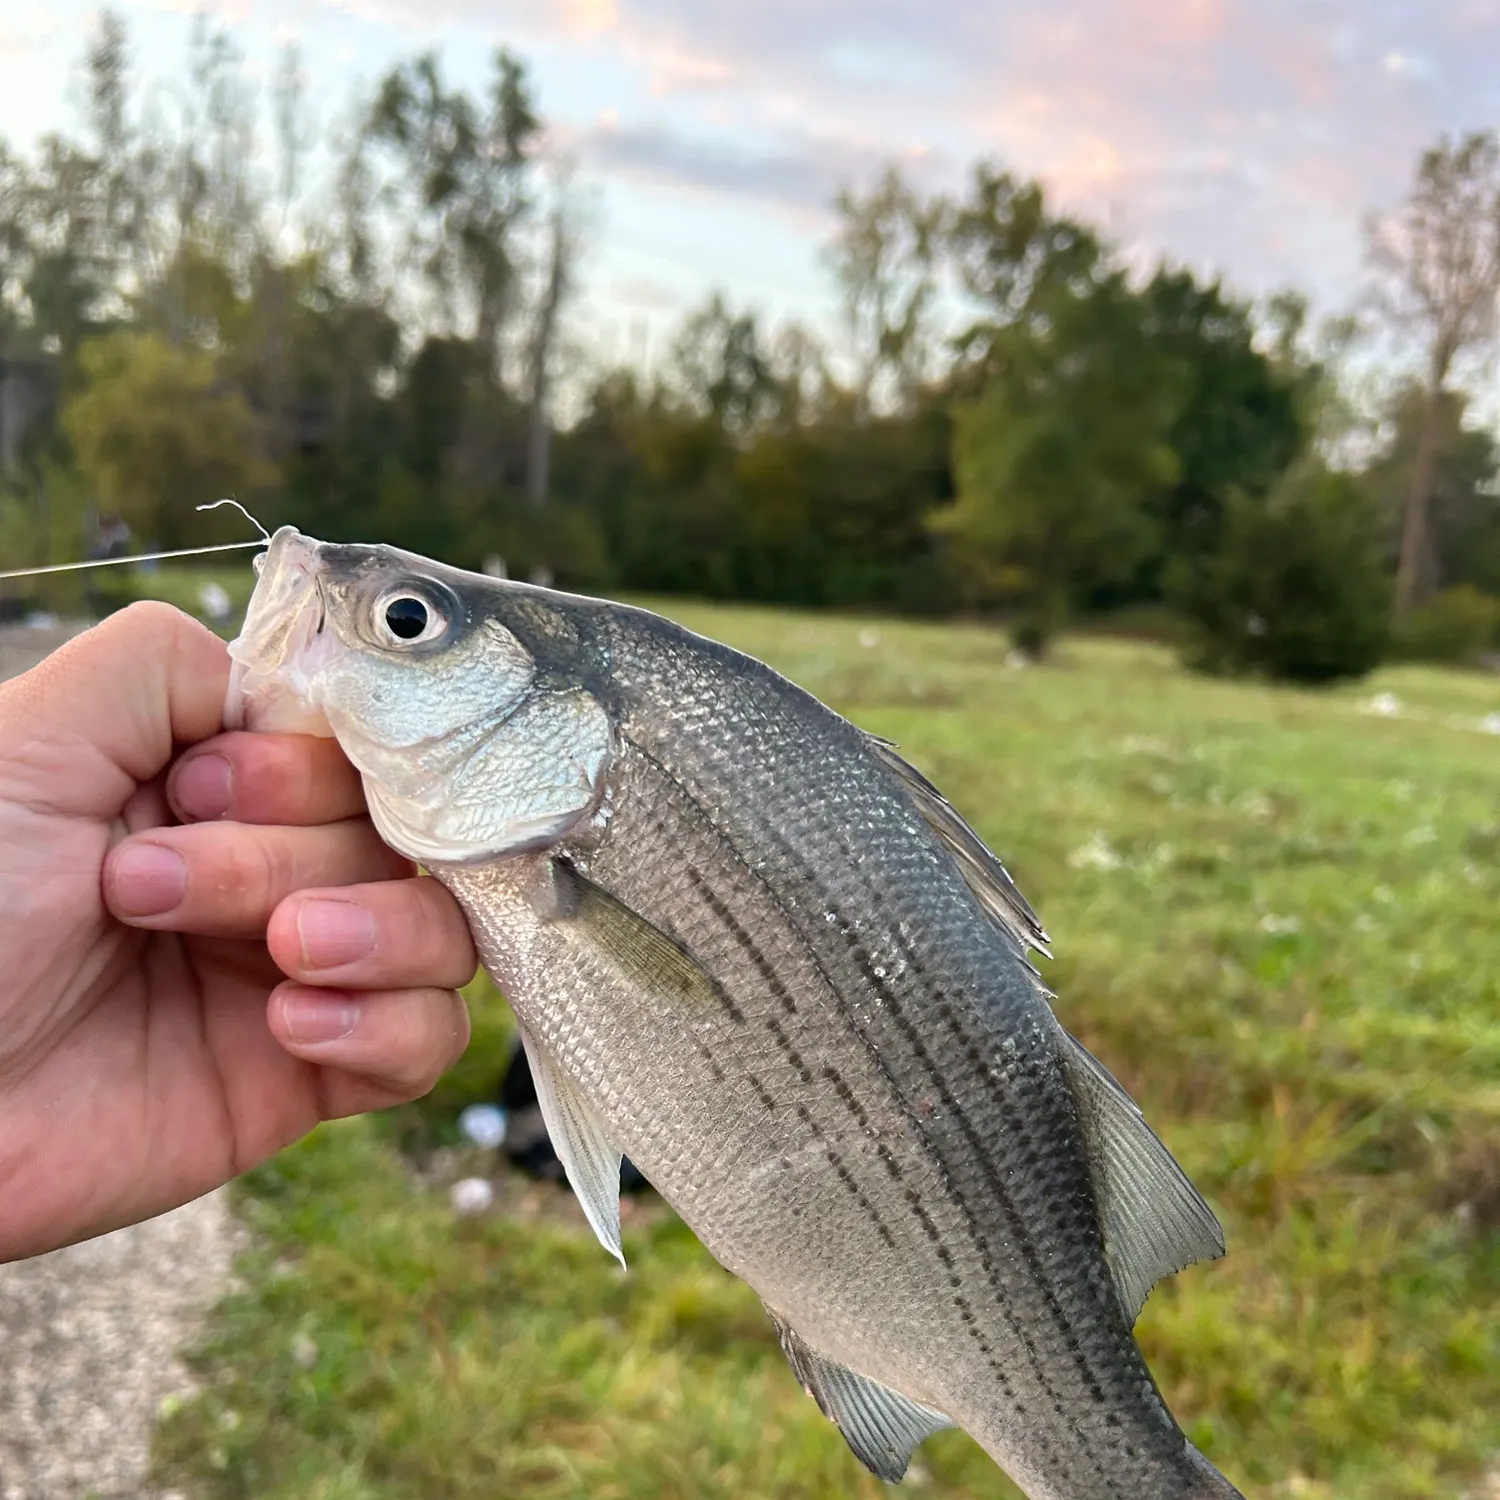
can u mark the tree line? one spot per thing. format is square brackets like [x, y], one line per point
[1013, 422]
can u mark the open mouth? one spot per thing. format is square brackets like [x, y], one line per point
[284, 644]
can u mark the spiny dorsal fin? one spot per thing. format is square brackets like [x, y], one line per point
[577, 1134]
[881, 1426]
[987, 877]
[1154, 1220]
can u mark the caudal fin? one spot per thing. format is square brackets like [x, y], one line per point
[1212, 1485]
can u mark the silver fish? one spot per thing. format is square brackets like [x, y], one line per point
[751, 948]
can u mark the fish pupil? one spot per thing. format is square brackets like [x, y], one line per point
[406, 618]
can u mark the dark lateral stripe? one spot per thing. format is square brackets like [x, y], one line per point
[1022, 1131]
[746, 942]
[714, 1066]
[994, 1181]
[836, 1161]
[976, 1234]
[983, 1154]
[982, 1150]
[773, 983]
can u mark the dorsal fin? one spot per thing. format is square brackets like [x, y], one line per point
[1154, 1220]
[986, 876]
[881, 1426]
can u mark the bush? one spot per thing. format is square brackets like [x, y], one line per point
[1457, 625]
[1296, 590]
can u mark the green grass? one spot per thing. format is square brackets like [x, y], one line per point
[179, 584]
[1275, 919]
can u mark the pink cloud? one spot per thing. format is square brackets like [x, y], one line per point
[1250, 134]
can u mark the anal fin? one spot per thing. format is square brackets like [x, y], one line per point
[881, 1426]
[577, 1132]
[1153, 1219]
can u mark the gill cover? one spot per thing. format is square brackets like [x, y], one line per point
[463, 754]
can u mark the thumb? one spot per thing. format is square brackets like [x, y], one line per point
[122, 695]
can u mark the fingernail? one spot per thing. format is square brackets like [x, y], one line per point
[334, 933]
[148, 880]
[202, 787]
[310, 1016]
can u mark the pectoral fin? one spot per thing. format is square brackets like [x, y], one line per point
[881, 1426]
[1154, 1220]
[639, 952]
[577, 1132]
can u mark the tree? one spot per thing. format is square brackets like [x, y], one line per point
[463, 184]
[1242, 421]
[1015, 259]
[1463, 512]
[1057, 458]
[720, 368]
[1438, 264]
[558, 271]
[884, 256]
[154, 434]
[1297, 590]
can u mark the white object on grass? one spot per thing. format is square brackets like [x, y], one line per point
[214, 601]
[470, 1197]
[483, 1124]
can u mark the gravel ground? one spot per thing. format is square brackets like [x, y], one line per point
[23, 646]
[89, 1335]
[88, 1351]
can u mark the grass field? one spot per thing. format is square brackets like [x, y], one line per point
[1274, 915]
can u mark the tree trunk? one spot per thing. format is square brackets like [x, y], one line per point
[1411, 582]
[538, 457]
[539, 424]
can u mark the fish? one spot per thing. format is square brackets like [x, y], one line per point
[752, 949]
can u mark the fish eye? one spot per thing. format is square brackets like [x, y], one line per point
[406, 618]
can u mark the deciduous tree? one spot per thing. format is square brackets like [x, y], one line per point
[1437, 260]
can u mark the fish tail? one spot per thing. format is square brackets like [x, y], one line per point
[1211, 1485]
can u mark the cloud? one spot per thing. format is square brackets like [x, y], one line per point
[589, 17]
[805, 174]
[1249, 135]
[645, 293]
[18, 42]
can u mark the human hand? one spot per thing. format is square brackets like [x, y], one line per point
[185, 994]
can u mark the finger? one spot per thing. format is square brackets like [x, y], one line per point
[265, 778]
[130, 688]
[383, 936]
[225, 879]
[383, 1046]
[145, 808]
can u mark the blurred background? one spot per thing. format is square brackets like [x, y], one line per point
[1099, 401]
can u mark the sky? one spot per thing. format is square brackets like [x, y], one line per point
[1244, 138]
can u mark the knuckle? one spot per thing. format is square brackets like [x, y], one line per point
[434, 1042]
[147, 614]
[271, 776]
[254, 869]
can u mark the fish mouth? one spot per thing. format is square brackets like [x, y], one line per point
[284, 643]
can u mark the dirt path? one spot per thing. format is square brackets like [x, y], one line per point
[89, 1335]
[88, 1351]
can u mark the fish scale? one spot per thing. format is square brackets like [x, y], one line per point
[753, 950]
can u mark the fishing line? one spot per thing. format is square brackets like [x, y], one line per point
[215, 504]
[140, 557]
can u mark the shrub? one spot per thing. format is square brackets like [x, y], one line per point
[1296, 590]
[1458, 624]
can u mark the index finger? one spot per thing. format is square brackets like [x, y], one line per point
[294, 779]
[123, 693]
